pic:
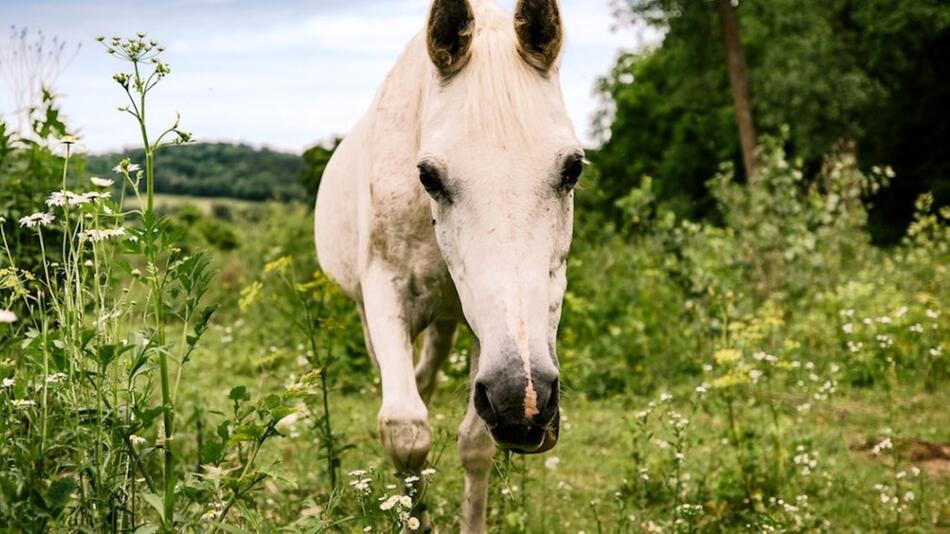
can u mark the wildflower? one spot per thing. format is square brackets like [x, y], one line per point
[278, 264]
[412, 479]
[102, 235]
[39, 218]
[428, 472]
[665, 397]
[357, 472]
[212, 513]
[678, 420]
[7, 316]
[57, 198]
[551, 463]
[847, 328]
[726, 356]
[101, 182]
[909, 496]
[126, 166]
[917, 328]
[97, 195]
[661, 443]
[680, 457]
[55, 378]
[883, 445]
[702, 388]
[389, 503]
[361, 485]
[755, 375]
[249, 295]
[136, 440]
[8, 382]
[23, 403]
[914, 470]
[413, 523]
[405, 501]
[932, 314]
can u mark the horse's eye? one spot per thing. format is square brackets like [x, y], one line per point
[571, 172]
[431, 180]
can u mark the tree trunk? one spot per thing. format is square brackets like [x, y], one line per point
[739, 82]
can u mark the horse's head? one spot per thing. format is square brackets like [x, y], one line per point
[499, 161]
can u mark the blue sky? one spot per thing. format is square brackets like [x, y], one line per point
[280, 73]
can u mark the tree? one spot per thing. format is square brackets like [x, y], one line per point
[739, 82]
[868, 73]
[315, 161]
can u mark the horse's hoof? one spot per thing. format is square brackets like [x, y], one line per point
[407, 442]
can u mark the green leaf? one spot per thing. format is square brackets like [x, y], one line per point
[59, 493]
[250, 432]
[156, 502]
[239, 393]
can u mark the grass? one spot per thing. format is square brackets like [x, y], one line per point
[583, 491]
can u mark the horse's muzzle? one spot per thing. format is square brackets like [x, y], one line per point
[500, 401]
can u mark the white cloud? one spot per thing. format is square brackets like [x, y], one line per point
[282, 74]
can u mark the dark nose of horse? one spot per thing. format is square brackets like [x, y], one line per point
[521, 416]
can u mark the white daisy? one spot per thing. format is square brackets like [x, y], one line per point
[40, 218]
[101, 182]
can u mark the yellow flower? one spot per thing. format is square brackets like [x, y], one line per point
[249, 295]
[727, 356]
[729, 380]
[278, 264]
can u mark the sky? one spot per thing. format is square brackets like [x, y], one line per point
[282, 73]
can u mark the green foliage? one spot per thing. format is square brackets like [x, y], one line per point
[664, 288]
[29, 169]
[833, 72]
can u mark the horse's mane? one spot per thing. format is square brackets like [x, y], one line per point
[501, 89]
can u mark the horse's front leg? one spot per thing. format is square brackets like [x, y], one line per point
[475, 448]
[403, 418]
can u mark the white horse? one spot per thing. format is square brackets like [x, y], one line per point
[452, 200]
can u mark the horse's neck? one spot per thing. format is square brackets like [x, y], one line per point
[398, 106]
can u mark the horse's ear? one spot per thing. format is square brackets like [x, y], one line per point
[540, 35]
[451, 25]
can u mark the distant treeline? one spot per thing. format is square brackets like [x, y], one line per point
[228, 170]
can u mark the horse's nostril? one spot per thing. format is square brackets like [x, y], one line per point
[483, 404]
[550, 406]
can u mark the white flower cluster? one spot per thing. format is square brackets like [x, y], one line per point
[808, 461]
